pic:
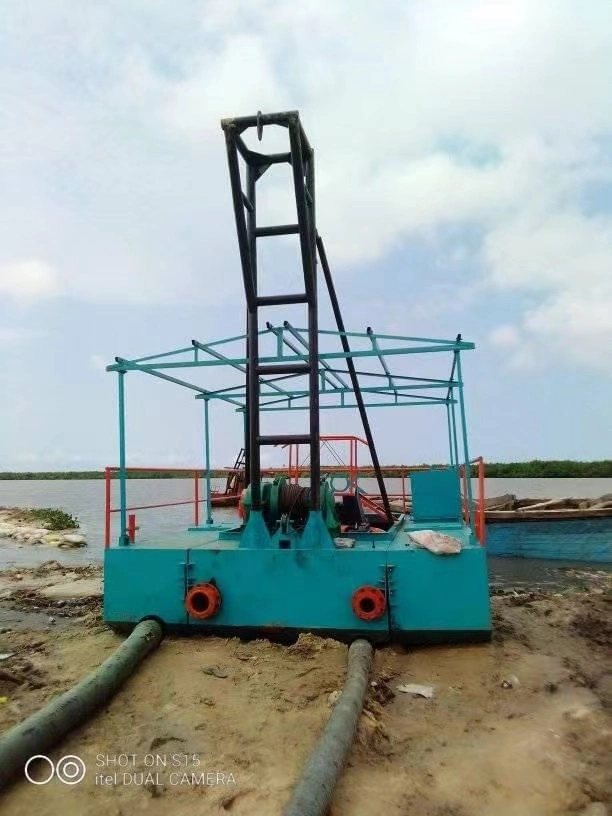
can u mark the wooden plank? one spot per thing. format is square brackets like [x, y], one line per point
[548, 504]
[546, 515]
[505, 502]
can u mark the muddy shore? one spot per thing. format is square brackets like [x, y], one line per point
[517, 727]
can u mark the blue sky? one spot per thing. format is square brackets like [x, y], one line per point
[464, 184]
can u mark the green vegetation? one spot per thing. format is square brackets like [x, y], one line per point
[87, 474]
[536, 469]
[550, 469]
[49, 517]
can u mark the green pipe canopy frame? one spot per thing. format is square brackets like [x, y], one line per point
[393, 390]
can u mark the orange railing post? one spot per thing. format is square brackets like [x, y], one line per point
[353, 463]
[479, 504]
[481, 500]
[467, 512]
[131, 527]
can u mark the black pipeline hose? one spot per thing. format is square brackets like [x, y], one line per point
[313, 793]
[44, 729]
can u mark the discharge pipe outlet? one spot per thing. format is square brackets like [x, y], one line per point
[44, 729]
[313, 793]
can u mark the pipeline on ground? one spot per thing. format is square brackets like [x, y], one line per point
[313, 793]
[44, 729]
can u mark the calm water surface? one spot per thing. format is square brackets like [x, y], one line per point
[85, 500]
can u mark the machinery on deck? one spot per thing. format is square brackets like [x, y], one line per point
[288, 505]
[306, 557]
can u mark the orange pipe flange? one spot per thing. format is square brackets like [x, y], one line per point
[369, 603]
[203, 601]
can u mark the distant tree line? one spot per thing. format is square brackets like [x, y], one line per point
[550, 469]
[536, 469]
[99, 474]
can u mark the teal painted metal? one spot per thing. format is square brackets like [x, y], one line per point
[436, 496]
[443, 595]
[450, 436]
[316, 534]
[162, 355]
[586, 540]
[274, 592]
[455, 448]
[255, 535]
[345, 404]
[271, 591]
[466, 453]
[209, 517]
[289, 358]
[145, 582]
[400, 392]
[123, 534]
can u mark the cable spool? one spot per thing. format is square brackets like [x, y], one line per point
[281, 499]
[294, 500]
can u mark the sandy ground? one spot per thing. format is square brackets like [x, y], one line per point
[243, 717]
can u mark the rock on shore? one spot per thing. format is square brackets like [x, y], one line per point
[12, 527]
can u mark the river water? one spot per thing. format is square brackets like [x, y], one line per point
[85, 500]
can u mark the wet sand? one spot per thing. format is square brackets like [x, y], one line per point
[517, 727]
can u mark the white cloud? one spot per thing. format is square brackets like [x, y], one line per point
[550, 250]
[490, 116]
[505, 337]
[28, 280]
[521, 353]
[98, 362]
[566, 258]
[576, 325]
[12, 336]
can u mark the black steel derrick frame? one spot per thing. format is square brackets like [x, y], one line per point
[301, 159]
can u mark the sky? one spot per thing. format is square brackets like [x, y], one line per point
[464, 184]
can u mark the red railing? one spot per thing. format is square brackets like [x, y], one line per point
[131, 525]
[476, 513]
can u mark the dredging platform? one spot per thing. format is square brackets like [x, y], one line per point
[308, 557]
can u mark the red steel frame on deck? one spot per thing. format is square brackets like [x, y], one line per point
[294, 470]
[131, 529]
[479, 505]
[353, 470]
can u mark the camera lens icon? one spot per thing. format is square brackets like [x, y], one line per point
[70, 769]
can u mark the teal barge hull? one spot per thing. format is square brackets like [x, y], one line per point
[277, 593]
[588, 540]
